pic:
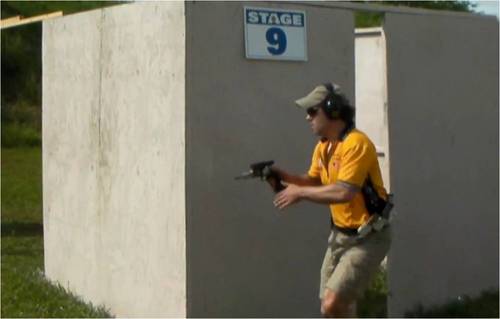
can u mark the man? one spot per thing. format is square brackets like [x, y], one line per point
[342, 162]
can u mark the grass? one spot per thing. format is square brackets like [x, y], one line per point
[373, 304]
[483, 306]
[25, 291]
[15, 135]
[21, 185]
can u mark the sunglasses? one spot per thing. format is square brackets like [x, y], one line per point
[312, 111]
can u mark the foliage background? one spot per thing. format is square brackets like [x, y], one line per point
[21, 97]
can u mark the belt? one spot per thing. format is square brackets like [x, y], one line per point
[346, 231]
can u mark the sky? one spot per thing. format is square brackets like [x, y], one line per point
[487, 6]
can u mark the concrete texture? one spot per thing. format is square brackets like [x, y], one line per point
[113, 157]
[443, 113]
[246, 259]
[371, 93]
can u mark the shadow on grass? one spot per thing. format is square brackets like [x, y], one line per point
[19, 229]
[482, 306]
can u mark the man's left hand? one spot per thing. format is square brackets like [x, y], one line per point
[287, 197]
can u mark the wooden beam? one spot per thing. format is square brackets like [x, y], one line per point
[10, 20]
[17, 21]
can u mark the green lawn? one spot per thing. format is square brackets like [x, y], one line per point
[21, 185]
[25, 291]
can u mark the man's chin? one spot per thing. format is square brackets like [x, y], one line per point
[316, 133]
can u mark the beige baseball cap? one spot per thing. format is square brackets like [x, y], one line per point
[316, 96]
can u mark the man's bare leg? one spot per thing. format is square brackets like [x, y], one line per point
[332, 306]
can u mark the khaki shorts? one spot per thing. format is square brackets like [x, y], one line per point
[350, 263]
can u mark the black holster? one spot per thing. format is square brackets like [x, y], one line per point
[374, 203]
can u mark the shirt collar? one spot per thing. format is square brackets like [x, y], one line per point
[346, 132]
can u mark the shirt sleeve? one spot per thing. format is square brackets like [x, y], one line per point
[315, 169]
[355, 164]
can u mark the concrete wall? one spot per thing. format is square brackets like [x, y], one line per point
[443, 112]
[122, 174]
[371, 92]
[245, 258]
[113, 157]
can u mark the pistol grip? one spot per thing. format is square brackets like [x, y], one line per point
[275, 181]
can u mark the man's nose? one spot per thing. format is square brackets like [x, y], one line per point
[308, 118]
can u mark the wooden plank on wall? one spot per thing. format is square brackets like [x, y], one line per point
[17, 21]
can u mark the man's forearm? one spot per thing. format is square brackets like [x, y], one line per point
[300, 180]
[326, 194]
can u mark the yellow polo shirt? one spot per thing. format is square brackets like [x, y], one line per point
[348, 161]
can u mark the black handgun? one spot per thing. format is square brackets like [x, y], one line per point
[263, 171]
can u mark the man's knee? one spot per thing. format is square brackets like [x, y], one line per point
[333, 306]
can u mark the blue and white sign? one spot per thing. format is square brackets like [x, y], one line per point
[275, 34]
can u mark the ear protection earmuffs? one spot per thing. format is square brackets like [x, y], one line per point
[331, 103]
[336, 106]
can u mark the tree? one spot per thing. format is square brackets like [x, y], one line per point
[21, 57]
[373, 19]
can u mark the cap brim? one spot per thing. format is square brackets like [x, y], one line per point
[312, 99]
[305, 103]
